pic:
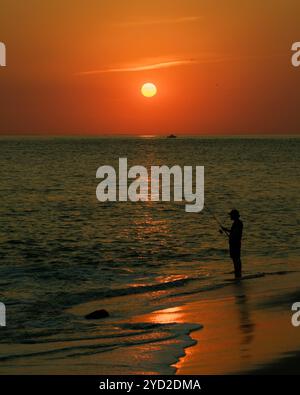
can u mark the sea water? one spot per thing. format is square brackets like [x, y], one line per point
[63, 253]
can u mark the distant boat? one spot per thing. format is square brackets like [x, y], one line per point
[171, 136]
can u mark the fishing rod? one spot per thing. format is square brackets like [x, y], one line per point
[221, 230]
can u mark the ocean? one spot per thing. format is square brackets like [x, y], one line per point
[64, 254]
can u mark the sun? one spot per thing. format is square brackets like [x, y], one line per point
[148, 89]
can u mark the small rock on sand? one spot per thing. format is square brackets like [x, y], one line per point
[97, 314]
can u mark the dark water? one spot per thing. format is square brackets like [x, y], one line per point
[60, 247]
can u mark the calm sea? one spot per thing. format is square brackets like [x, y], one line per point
[62, 252]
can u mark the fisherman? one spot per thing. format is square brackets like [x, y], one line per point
[235, 237]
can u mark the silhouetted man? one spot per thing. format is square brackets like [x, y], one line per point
[235, 238]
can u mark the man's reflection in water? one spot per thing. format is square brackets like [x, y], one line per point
[247, 326]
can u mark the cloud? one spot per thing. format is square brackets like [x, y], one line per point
[186, 19]
[205, 58]
[143, 67]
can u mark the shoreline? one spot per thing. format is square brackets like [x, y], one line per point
[240, 328]
[246, 328]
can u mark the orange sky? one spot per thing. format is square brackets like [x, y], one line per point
[222, 67]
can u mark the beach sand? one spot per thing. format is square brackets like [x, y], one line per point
[246, 328]
[240, 328]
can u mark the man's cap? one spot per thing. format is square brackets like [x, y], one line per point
[234, 213]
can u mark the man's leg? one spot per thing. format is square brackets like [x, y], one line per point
[237, 267]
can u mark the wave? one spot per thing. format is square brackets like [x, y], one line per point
[131, 290]
[140, 334]
[228, 282]
[175, 288]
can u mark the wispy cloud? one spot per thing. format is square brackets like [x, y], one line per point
[164, 63]
[142, 67]
[186, 19]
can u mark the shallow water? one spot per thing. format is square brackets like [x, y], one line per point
[61, 249]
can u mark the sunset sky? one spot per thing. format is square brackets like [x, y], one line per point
[220, 67]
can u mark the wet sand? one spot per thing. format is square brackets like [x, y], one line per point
[246, 328]
[241, 328]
